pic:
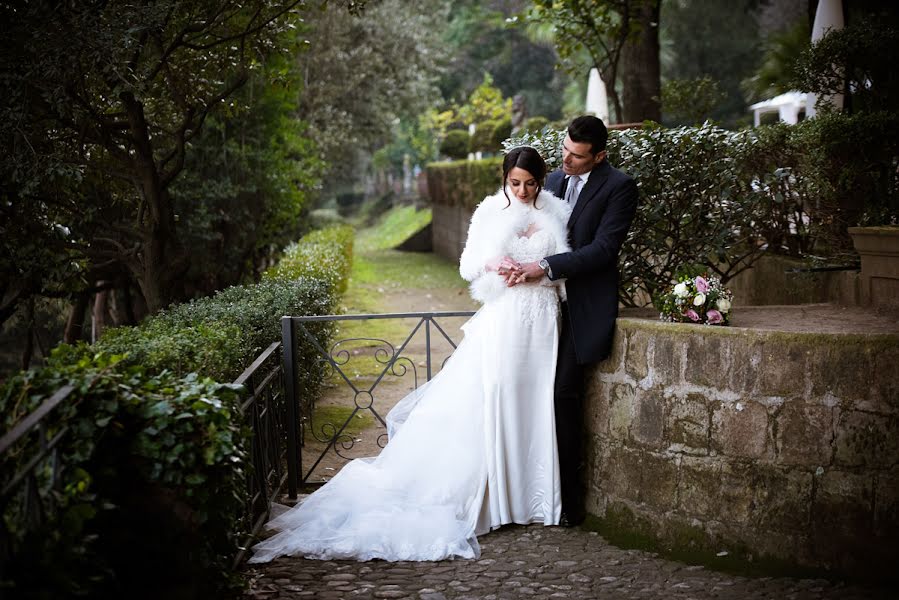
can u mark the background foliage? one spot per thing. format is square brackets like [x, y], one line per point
[153, 479]
[720, 198]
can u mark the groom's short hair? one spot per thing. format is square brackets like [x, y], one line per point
[591, 130]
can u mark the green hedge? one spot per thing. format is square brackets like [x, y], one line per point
[154, 462]
[720, 198]
[151, 484]
[463, 183]
[325, 255]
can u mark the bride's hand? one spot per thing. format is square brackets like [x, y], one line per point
[503, 265]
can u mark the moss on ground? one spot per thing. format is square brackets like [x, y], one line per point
[689, 544]
[393, 228]
[324, 417]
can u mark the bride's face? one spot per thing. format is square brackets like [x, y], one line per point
[523, 185]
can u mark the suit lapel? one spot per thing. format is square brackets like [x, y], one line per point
[597, 179]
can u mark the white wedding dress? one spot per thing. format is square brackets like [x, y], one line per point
[469, 451]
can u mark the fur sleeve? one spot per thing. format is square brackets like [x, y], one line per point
[474, 259]
[481, 245]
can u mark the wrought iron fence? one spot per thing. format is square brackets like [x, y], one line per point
[263, 410]
[272, 408]
[392, 360]
[22, 492]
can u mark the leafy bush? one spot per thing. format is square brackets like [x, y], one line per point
[150, 488]
[720, 198]
[220, 335]
[502, 129]
[482, 138]
[324, 255]
[455, 144]
[858, 57]
[535, 124]
[153, 480]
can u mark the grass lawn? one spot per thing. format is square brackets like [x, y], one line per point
[382, 277]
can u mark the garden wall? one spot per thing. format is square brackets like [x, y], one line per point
[763, 445]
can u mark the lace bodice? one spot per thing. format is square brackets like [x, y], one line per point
[539, 298]
[533, 248]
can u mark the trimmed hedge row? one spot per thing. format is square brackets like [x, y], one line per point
[464, 182]
[153, 469]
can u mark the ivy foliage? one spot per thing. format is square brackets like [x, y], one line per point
[153, 480]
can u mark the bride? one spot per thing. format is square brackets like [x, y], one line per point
[475, 447]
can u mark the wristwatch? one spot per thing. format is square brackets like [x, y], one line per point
[545, 266]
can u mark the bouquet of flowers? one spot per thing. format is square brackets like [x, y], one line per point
[700, 299]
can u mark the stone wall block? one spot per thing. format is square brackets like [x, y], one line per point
[622, 410]
[614, 363]
[741, 430]
[649, 421]
[781, 369]
[658, 481]
[886, 505]
[782, 499]
[842, 518]
[699, 487]
[843, 369]
[737, 492]
[687, 424]
[886, 389]
[804, 434]
[623, 480]
[597, 401]
[708, 360]
[599, 467]
[744, 356]
[666, 359]
[866, 439]
[637, 361]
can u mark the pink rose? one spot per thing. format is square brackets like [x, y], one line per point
[693, 315]
[713, 317]
[702, 286]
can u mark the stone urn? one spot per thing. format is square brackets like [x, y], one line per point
[879, 251]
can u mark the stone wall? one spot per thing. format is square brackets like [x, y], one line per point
[759, 444]
[449, 225]
[776, 279]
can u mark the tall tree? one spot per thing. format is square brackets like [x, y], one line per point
[718, 40]
[102, 101]
[640, 67]
[360, 75]
[617, 36]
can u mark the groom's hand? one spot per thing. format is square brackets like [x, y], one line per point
[505, 266]
[527, 272]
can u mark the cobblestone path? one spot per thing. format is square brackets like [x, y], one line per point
[534, 562]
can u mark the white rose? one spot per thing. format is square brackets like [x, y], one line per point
[723, 304]
[699, 300]
[680, 290]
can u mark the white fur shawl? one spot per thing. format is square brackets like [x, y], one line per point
[494, 226]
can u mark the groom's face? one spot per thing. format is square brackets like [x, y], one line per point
[577, 157]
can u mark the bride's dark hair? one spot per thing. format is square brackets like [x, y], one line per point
[524, 157]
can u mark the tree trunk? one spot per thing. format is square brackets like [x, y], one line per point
[75, 324]
[640, 70]
[98, 314]
[162, 260]
[28, 351]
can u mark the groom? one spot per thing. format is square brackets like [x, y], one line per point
[604, 202]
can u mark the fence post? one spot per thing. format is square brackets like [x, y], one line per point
[288, 342]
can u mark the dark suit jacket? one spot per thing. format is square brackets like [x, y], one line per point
[596, 231]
